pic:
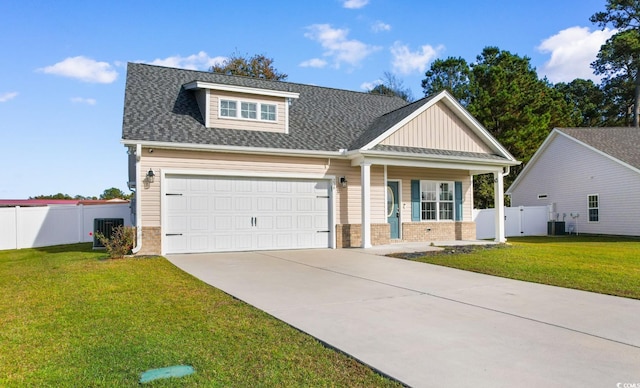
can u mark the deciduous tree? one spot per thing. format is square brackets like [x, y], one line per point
[257, 66]
[392, 86]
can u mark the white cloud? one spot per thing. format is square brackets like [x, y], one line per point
[84, 69]
[4, 97]
[380, 26]
[82, 100]
[572, 51]
[314, 62]
[370, 85]
[199, 61]
[337, 46]
[405, 61]
[354, 4]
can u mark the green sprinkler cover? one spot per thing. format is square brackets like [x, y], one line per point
[165, 373]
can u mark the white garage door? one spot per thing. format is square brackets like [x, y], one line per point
[215, 214]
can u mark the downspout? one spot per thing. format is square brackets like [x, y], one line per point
[138, 246]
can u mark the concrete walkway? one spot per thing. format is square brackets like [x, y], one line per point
[431, 326]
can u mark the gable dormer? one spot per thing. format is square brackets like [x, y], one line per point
[243, 108]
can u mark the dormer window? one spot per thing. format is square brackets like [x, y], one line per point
[268, 112]
[248, 110]
[241, 107]
[228, 108]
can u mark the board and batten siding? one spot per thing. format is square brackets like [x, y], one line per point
[347, 199]
[567, 172]
[245, 124]
[437, 128]
[406, 175]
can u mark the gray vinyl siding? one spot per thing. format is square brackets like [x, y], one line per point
[567, 172]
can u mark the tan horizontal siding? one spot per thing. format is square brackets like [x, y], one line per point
[437, 128]
[244, 124]
[347, 200]
[406, 175]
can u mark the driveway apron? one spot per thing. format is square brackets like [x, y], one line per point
[431, 326]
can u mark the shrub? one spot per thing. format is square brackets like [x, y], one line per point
[120, 243]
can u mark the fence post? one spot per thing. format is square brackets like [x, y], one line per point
[80, 217]
[18, 228]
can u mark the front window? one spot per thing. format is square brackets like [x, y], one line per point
[228, 108]
[248, 110]
[593, 204]
[436, 200]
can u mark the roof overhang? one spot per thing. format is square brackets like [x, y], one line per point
[474, 165]
[234, 149]
[239, 89]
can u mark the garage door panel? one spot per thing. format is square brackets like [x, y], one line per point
[234, 213]
[265, 204]
[223, 204]
[243, 204]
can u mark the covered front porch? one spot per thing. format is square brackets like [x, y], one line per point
[427, 198]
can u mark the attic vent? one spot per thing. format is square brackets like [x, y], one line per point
[542, 196]
[105, 227]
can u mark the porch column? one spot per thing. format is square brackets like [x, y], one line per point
[498, 179]
[365, 180]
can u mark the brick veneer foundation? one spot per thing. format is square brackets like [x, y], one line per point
[150, 241]
[438, 231]
[350, 235]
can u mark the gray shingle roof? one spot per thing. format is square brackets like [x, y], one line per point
[386, 121]
[437, 152]
[158, 108]
[623, 143]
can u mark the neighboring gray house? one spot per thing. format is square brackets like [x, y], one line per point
[590, 177]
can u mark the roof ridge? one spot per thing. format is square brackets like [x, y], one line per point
[261, 79]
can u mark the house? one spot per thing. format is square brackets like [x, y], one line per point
[589, 178]
[227, 163]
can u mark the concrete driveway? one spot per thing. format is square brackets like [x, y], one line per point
[430, 326]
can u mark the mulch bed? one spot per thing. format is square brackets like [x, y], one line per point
[450, 250]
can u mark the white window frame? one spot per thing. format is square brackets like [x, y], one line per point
[240, 111]
[268, 113]
[596, 208]
[245, 109]
[439, 201]
[220, 109]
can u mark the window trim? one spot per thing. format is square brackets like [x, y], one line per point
[596, 208]
[238, 110]
[438, 201]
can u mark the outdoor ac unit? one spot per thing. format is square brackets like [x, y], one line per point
[105, 227]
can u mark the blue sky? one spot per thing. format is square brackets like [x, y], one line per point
[63, 66]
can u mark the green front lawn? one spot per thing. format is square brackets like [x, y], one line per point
[69, 318]
[608, 265]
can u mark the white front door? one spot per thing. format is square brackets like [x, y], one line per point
[214, 214]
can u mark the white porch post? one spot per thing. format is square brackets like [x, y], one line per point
[365, 180]
[498, 179]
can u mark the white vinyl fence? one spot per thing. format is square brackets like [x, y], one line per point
[519, 221]
[30, 227]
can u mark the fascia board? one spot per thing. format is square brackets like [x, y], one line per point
[235, 149]
[442, 158]
[240, 89]
[435, 163]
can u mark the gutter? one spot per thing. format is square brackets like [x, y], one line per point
[138, 246]
[237, 149]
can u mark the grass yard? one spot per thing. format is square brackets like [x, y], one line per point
[607, 265]
[69, 318]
